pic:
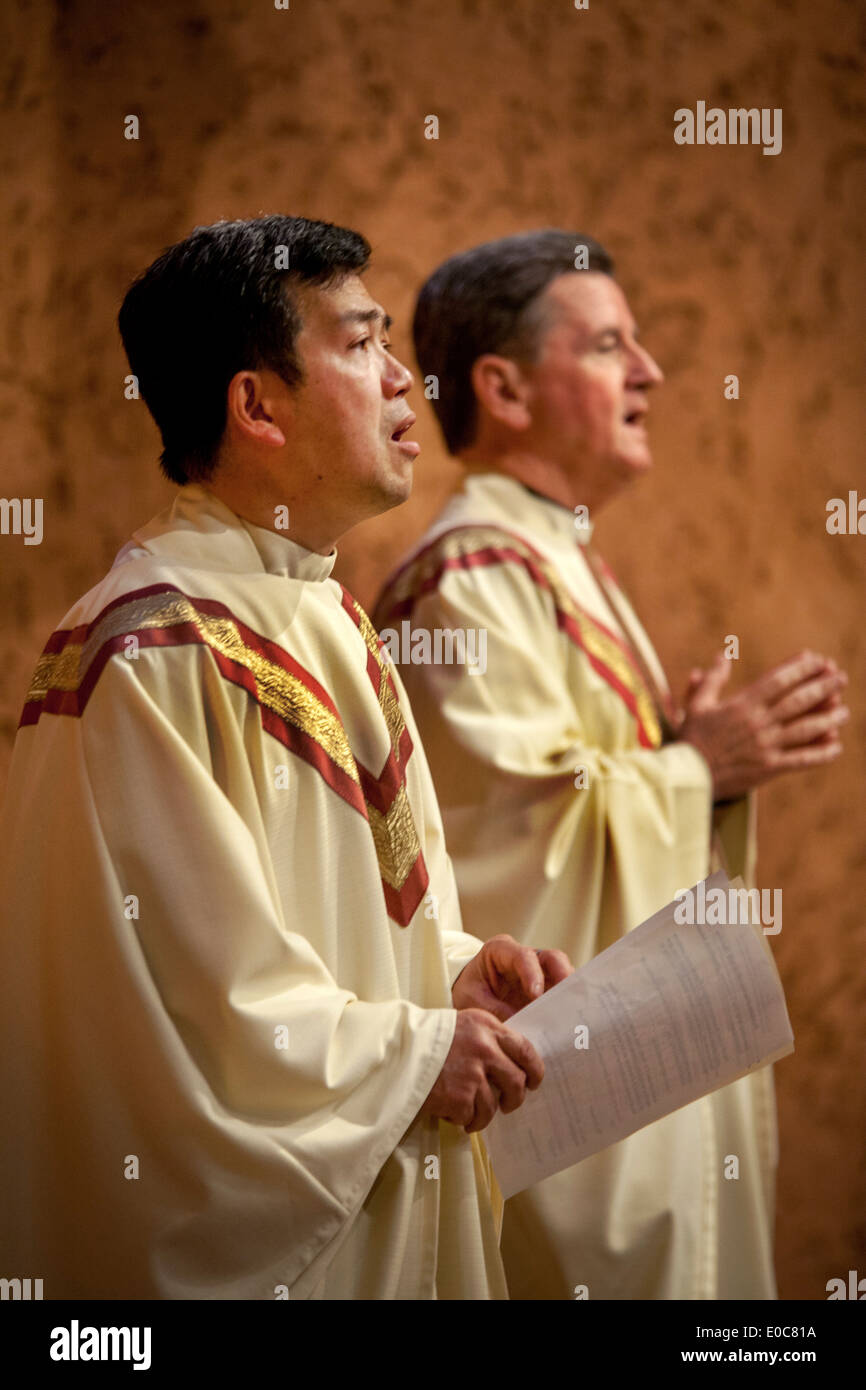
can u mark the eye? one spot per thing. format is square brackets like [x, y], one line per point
[361, 343]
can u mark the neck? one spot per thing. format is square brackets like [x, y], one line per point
[288, 515]
[540, 475]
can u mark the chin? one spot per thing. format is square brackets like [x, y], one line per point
[635, 465]
[394, 492]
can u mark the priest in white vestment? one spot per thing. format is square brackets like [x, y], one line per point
[577, 799]
[247, 1047]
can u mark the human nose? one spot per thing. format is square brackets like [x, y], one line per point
[645, 370]
[396, 379]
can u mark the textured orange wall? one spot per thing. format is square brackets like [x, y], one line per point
[734, 262]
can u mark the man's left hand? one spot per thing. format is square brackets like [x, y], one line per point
[506, 976]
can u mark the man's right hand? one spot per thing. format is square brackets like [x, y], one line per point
[787, 720]
[488, 1067]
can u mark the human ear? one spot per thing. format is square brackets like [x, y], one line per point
[501, 390]
[251, 410]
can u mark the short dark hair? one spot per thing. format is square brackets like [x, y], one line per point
[217, 303]
[484, 300]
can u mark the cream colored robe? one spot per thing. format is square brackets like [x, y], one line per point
[568, 824]
[229, 934]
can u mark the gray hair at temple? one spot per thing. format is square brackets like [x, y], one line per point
[487, 300]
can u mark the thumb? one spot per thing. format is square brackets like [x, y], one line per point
[696, 675]
[712, 683]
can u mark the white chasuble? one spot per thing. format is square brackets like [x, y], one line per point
[229, 934]
[571, 816]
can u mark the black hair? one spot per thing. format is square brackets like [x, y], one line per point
[217, 303]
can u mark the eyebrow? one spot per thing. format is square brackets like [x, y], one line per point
[615, 328]
[367, 316]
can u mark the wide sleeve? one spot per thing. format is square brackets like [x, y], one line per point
[460, 948]
[203, 1033]
[735, 836]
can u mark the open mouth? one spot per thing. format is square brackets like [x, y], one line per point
[635, 417]
[409, 446]
[403, 428]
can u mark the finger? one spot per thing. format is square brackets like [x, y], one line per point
[521, 1051]
[556, 966]
[517, 963]
[812, 727]
[712, 684]
[508, 1081]
[833, 701]
[486, 1104]
[483, 997]
[805, 697]
[777, 682]
[815, 755]
[695, 678]
[829, 740]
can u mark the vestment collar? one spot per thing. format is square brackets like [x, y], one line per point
[202, 531]
[518, 500]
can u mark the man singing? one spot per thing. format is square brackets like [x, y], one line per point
[577, 799]
[247, 1046]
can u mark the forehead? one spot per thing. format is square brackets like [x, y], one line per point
[325, 308]
[587, 300]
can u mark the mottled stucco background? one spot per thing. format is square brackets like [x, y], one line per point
[734, 262]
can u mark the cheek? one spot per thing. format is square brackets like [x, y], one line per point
[601, 403]
[348, 406]
[582, 407]
[358, 394]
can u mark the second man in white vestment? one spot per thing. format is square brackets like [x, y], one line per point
[577, 799]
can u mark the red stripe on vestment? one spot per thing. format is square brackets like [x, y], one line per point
[501, 555]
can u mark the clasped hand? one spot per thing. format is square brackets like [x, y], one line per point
[490, 1066]
[786, 721]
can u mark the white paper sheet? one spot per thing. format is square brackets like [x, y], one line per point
[670, 1014]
